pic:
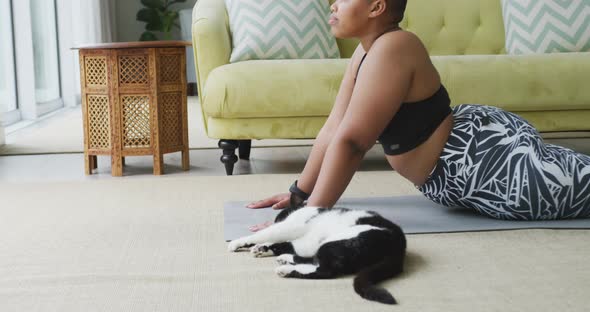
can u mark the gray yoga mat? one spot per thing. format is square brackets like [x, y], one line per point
[415, 214]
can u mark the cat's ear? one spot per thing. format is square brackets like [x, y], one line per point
[296, 201]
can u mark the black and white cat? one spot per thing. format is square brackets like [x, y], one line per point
[319, 243]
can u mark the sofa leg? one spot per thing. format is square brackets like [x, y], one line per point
[244, 148]
[229, 157]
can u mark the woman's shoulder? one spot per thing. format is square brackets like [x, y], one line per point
[400, 42]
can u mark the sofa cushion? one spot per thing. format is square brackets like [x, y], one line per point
[306, 88]
[457, 27]
[273, 88]
[271, 29]
[450, 27]
[518, 83]
[546, 26]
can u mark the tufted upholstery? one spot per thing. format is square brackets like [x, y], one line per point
[451, 27]
[455, 27]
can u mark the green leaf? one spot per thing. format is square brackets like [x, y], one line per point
[153, 4]
[173, 15]
[175, 1]
[147, 15]
[168, 20]
[155, 26]
[148, 36]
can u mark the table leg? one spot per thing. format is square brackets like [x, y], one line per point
[158, 164]
[185, 159]
[89, 163]
[116, 166]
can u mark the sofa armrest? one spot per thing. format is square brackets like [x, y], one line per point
[211, 38]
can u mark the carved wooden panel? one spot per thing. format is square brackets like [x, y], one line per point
[134, 102]
[171, 116]
[99, 121]
[170, 68]
[133, 69]
[96, 70]
[136, 121]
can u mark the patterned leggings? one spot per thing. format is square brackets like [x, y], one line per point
[497, 163]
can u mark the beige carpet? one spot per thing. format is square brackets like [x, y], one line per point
[156, 244]
[63, 133]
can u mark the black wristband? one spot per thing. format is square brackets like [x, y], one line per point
[297, 191]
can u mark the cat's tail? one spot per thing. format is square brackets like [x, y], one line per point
[366, 280]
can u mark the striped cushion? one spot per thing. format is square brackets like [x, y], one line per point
[273, 29]
[546, 26]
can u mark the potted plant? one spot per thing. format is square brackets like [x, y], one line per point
[159, 17]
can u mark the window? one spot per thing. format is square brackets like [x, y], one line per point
[8, 104]
[38, 69]
[45, 51]
[30, 84]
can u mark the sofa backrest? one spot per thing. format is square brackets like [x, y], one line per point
[450, 27]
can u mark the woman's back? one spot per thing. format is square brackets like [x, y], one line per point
[417, 163]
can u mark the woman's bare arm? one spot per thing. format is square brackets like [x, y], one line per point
[310, 173]
[382, 85]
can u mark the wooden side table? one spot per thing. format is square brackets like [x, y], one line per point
[134, 102]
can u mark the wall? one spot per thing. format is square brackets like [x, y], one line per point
[2, 139]
[129, 29]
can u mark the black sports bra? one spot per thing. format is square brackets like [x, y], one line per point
[414, 122]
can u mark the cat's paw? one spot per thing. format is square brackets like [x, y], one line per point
[285, 259]
[261, 250]
[235, 245]
[284, 270]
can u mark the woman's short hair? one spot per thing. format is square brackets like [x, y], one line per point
[397, 9]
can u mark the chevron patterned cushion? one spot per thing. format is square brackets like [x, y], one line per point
[546, 26]
[278, 29]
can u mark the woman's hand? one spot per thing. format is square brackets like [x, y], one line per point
[258, 227]
[278, 201]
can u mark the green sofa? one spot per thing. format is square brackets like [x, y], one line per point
[291, 99]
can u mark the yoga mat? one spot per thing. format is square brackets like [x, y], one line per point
[415, 214]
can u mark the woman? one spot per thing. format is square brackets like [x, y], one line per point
[473, 156]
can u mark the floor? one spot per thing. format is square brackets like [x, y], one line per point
[204, 162]
[263, 160]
